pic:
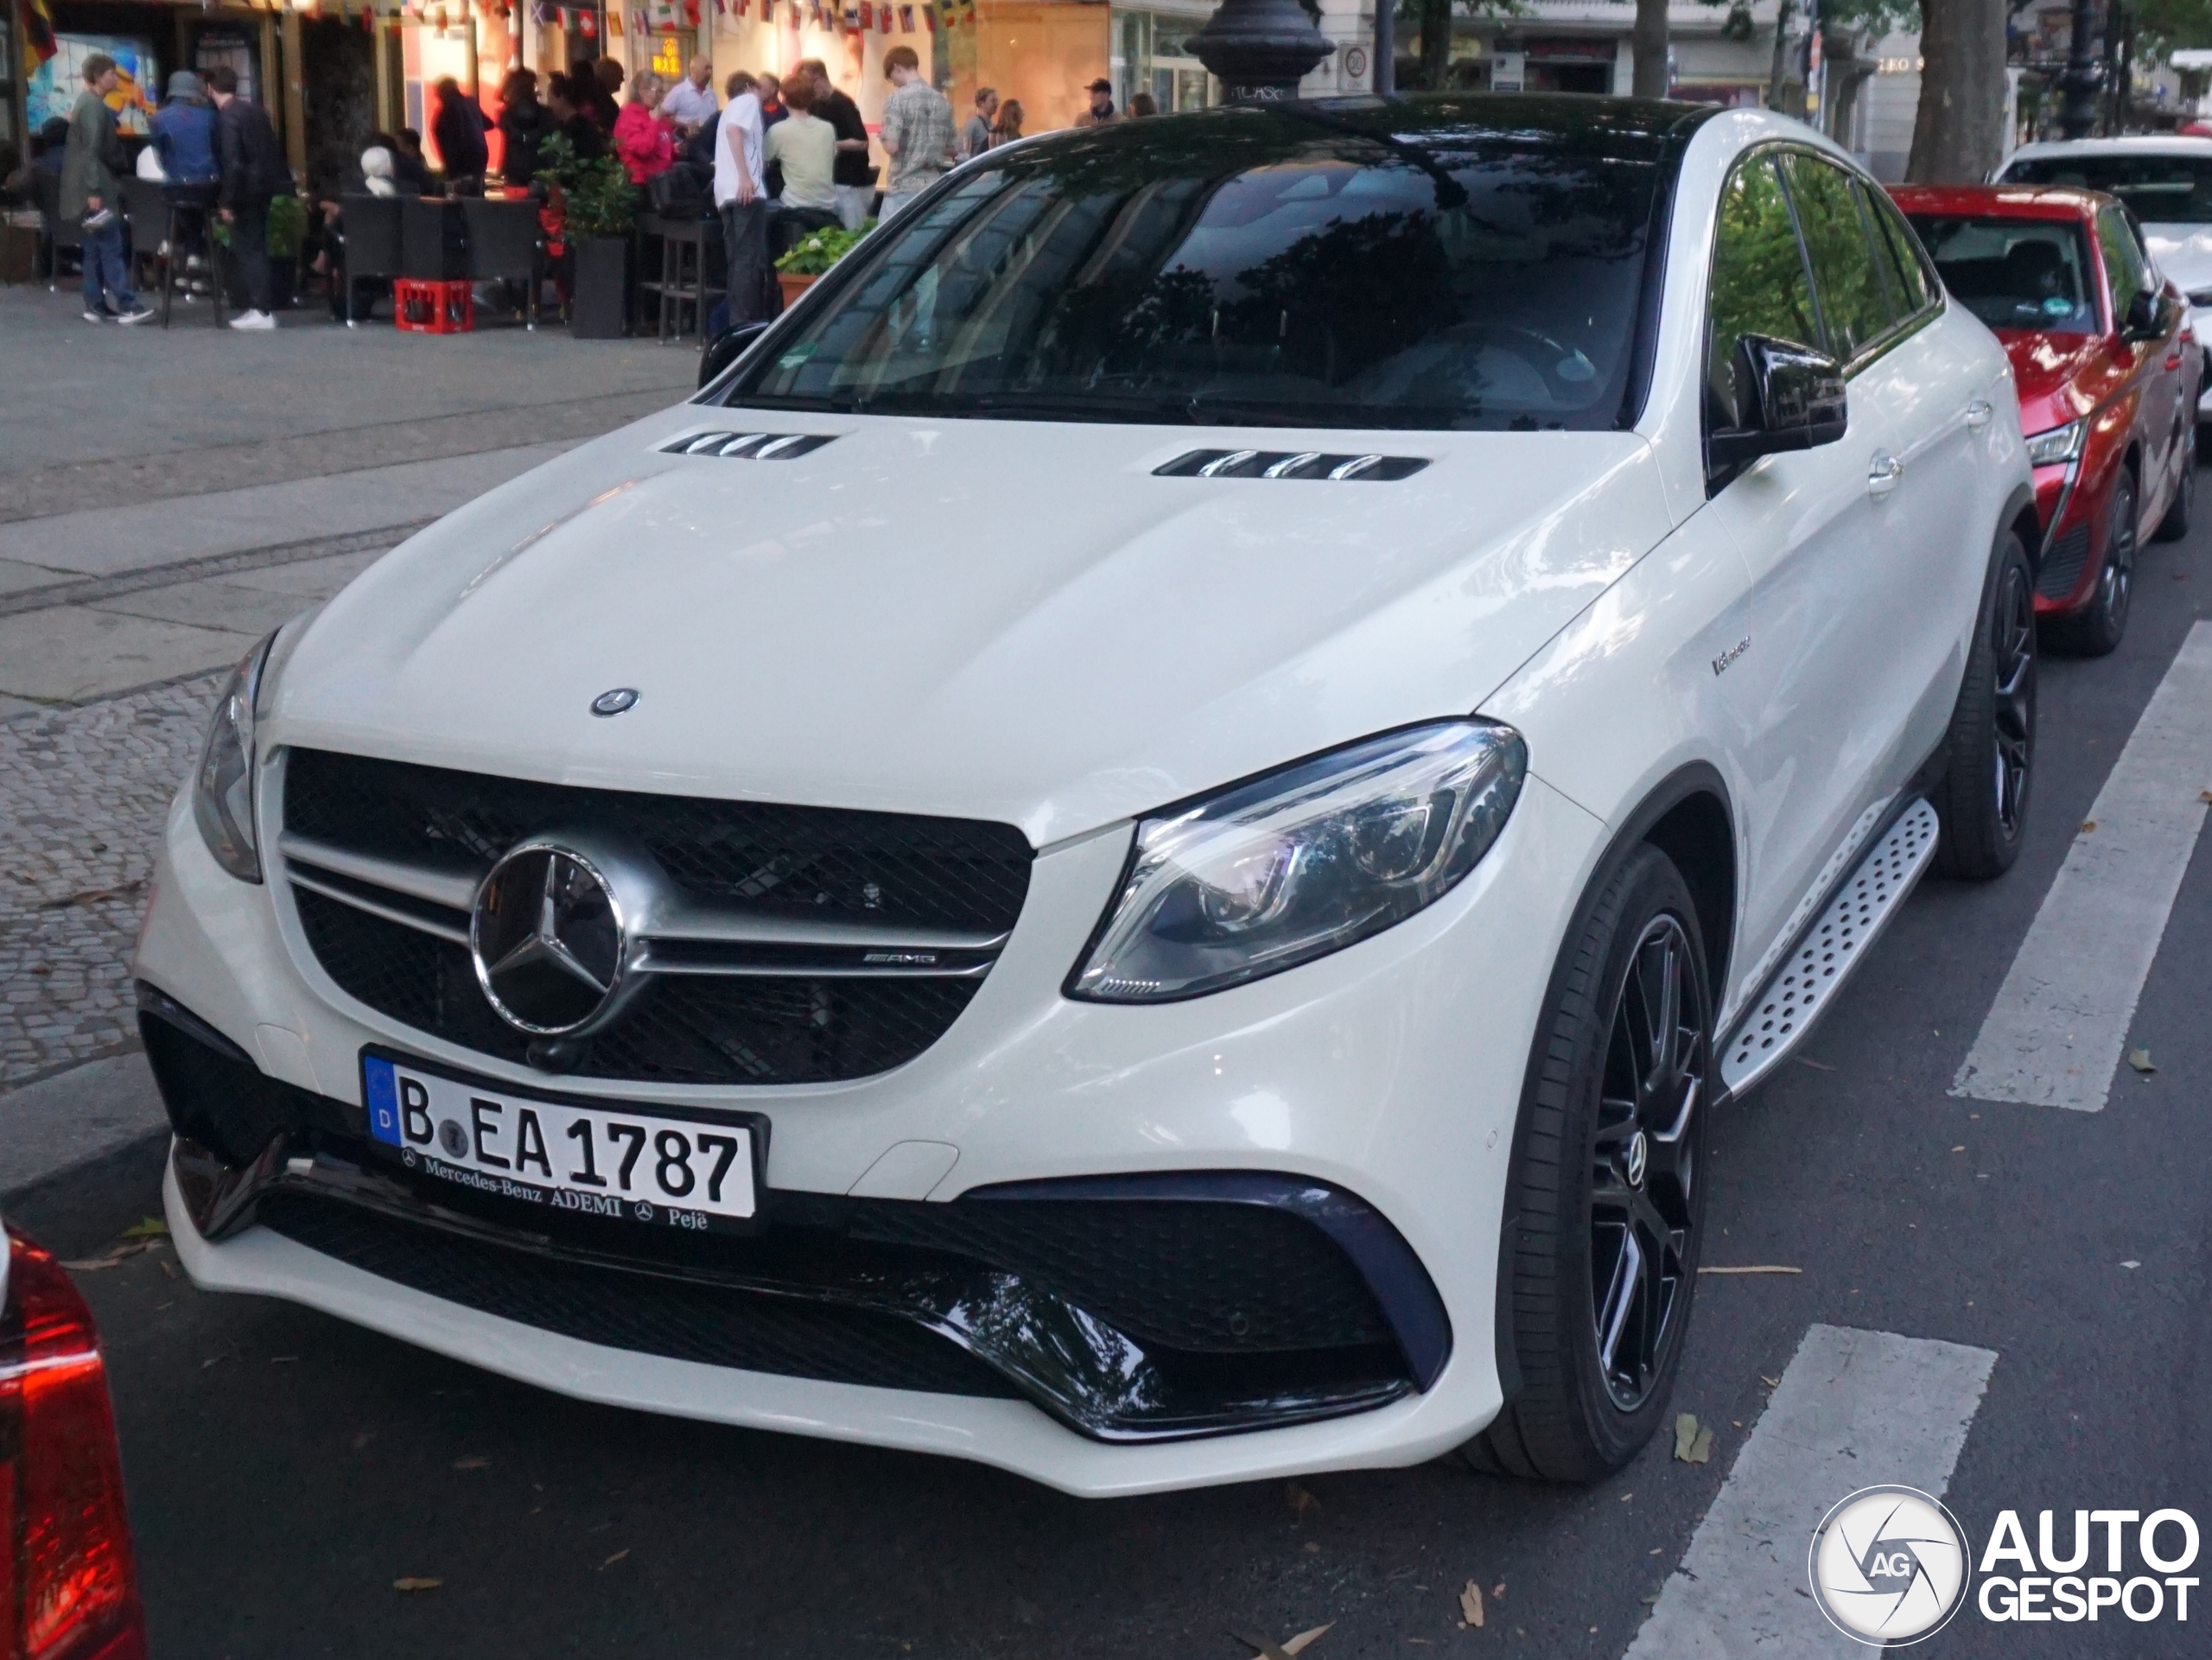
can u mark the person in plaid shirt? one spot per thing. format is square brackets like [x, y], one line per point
[917, 132]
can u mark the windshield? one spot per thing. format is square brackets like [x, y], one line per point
[2015, 273]
[2162, 189]
[1285, 268]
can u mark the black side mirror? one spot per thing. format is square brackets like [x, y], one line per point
[2141, 321]
[725, 349]
[1797, 399]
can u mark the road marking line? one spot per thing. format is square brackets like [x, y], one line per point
[1854, 1410]
[2055, 1033]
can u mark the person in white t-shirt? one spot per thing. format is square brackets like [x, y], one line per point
[691, 100]
[741, 194]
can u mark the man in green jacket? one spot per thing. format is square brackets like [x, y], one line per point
[92, 166]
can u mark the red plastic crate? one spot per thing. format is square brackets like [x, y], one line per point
[421, 307]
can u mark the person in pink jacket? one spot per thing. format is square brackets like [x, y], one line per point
[645, 142]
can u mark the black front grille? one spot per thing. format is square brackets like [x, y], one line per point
[824, 863]
[2061, 565]
[646, 1312]
[682, 1029]
[898, 870]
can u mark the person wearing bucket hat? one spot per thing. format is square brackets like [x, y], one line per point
[184, 133]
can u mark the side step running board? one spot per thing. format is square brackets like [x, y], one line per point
[1837, 943]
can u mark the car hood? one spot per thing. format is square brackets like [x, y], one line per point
[986, 619]
[2061, 377]
[2183, 253]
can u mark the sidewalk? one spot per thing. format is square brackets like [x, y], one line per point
[165, 499]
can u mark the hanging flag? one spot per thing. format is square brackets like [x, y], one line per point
[929, 19]
[588, 22]
[38, 29]
[905, 20]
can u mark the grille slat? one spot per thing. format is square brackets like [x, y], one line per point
[813, 864]
[1291, 464]
[2061, 566]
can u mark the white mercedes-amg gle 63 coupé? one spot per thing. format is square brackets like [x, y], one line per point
[1141, 845]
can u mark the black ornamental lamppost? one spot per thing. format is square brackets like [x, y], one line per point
[1260, 48]
[2077, 114]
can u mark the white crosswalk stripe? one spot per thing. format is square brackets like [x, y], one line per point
[2055, 1033]
[1853, 1410]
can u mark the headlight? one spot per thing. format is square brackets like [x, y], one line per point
[222, 788]
[2059, 444]
[1302, 863]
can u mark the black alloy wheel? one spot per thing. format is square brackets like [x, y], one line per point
[1605, 1200]
[1644, 1173]
[2098, 627]
[1989, 756]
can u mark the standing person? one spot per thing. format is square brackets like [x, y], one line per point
[917, 131]
[93, 165]
[572, 117]
[741, 194]
[690, 103]
[854, 178]
[1141, 104]
[458, 126]
[806, 147]
[253, 167]
[1102, 104]
[1007, 128]
[524, 123]
[606, 80]
[772, 100]
[641, 137]
[975, 137]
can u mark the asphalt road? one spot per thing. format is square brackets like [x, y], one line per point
[285, 1469]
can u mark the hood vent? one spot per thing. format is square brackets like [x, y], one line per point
[1290, 464]
[749, 446]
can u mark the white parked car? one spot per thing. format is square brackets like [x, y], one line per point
[2166, 181]
[1140, 849]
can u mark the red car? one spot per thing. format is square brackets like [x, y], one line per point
[68, 1582]
[2106, 372]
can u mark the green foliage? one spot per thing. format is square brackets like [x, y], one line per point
[815, 254]
[1870, 19]
[288, 226]
[597, 195]
[2163, 25]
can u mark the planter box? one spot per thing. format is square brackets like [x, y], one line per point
[599, 308]
[793, 286]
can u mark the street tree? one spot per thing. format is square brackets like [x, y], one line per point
[1958, 134]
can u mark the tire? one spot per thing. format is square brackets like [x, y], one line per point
[1989, 775]
[2175, 524]
[2097, 629]
[1606, 1153]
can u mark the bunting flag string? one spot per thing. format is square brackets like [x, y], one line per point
[905, 20]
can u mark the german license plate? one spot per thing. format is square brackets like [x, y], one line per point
[588, 1160]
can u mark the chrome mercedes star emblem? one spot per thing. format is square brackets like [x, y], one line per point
[1639, 1157]
[615, 701]
[547, 938]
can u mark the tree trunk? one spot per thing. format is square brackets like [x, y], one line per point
[1780, 67]
[1435, 43]
[1958, 135]
[1648, 48]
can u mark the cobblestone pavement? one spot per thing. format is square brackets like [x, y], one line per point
[83, 792]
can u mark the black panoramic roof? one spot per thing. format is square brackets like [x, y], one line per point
[1627, 129]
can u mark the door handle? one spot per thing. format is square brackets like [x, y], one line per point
[1978, 414]
[1883, 474]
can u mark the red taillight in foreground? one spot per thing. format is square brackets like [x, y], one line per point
[68, 1588]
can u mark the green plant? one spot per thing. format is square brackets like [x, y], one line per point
[596, 195]
[288, 226]
[815, 253]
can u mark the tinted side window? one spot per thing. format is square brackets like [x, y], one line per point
[1853, 301]
[1885, 257]
[1759, 283]
[2125, 266]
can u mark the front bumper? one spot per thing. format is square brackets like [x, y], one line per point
[1388, 1075]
